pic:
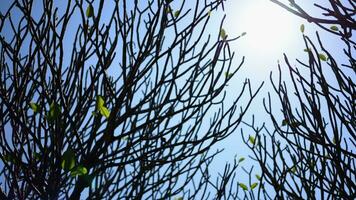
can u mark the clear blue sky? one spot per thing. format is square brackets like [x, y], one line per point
[271, 31]
[276, 31]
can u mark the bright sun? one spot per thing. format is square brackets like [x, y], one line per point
[270, 29]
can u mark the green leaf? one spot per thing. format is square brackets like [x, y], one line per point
[293, 169]
[35, 107]
[241, 159]
[9, 158]
[99, 102]
[90, 11]
[223, 33]
[243, 33]
[334, 140]
[253, 185]
[243, 186]
[78, 171]
[54, 111]
[178, 198]
[251, 139]
[312, 164]
[176, 13]
[285, 122]
[209, 13]
[105, 112]
[37, 156]
[302, 28]
[258, 177]
[125, 138]
[334, 28]
[307, 50]
[322, 57]
[228, 75]
[101, 107]
[68, 160]
[168, 10]
[87, 179]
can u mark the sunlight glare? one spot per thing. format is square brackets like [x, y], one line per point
[270, 29]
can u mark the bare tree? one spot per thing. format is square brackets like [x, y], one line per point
[310, 153]
[114, 99]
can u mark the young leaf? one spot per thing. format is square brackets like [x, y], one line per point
[104, 112]
[99, 102]
[54, 111]
[209, 13]
[68, 160]
[284, 122]
[322, 57]
[35, 107]
[78, 171]
[223, 33]
[243, 186]
[253, 185]
[125, 138]
[334, 28]
[293, 170]
[168, 10]
[241, 159]
[251, 139]
[302, 28]
[101, 107]
[312, 164]
[228, 75]
[258, 177]
[8, 158]
[37, 156]
[176, 13]
[178, 198]
[90, 11]
[243, 33]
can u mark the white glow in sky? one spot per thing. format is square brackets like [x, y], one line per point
[270, 29]
[267, 26]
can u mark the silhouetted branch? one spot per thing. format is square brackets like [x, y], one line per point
[310, 154]
[120, 99]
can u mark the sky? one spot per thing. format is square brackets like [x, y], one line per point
[271, 31]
